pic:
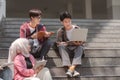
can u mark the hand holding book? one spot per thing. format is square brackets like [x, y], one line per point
[42, 34]
[40, 63]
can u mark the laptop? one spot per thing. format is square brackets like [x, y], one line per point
[79, 35]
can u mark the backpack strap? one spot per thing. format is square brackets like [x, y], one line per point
[40, 26]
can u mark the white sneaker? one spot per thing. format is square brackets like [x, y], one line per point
[76, 74]
[69, 73]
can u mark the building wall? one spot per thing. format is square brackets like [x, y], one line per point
[52, 8]
[99, 9]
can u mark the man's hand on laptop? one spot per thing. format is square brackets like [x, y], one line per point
[77, 43]
[62, 43]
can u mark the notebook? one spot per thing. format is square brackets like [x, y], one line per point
[79, 35]
[39, 63]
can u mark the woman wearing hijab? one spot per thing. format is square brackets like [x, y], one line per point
[24, 62]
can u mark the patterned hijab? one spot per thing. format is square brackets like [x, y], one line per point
[20, 45]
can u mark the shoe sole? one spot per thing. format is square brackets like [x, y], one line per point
[76, 76]
[68, 75]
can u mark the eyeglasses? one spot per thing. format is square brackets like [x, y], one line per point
[38, 17]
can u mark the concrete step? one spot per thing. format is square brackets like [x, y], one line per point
[99, 35]
[87, 73]
[77, 21]
[103, 45]
[94, 73]
[58, 25]
[102, 51]
[102, 40]
[89, 53]
[89, 45]
[89, 40]
[90, 35]
[2, 61]
[117, 31]
[86, 62]
[89, 78]
[94, 53]
[93, 58]
[17, 26]
[98, 71]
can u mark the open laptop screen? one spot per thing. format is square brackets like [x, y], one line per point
[79, 35]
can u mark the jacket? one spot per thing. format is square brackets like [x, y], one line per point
[20, 67]
[25, 31]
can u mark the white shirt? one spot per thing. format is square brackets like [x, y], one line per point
[36, 43]
[68, 32]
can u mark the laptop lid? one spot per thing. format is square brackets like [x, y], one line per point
[79, 35]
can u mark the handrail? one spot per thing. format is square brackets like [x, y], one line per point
[2, 9]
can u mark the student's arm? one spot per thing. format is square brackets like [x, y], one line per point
[19, 64]
[22, 32]
[59, 38]
[78, 43]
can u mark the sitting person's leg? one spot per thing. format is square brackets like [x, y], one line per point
[78, 51]
[77, 55]
[76, 60]
[64, 55]
[64, 52]
[45, 48]
[44, 74]
[6, 73]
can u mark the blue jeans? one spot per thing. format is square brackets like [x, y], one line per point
[42, 52]
[6, 73]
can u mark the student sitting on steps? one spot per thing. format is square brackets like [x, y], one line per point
[67, 48]
[29, 30]
[24, 62]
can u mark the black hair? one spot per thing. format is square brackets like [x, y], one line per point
[34, 13]
[64, 15]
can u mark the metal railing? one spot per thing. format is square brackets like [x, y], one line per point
[2, 9]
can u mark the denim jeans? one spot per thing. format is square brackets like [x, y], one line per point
[45, 47]
[71, 51]
[6, 73]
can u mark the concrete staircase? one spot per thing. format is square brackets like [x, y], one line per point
[102, 49]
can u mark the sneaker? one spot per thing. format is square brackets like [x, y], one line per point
[76, 74]
[69, 73]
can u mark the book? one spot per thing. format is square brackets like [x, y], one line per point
[40, 63]
[6, 64]
[41, 34]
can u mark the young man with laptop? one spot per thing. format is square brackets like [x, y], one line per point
[67, 47]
